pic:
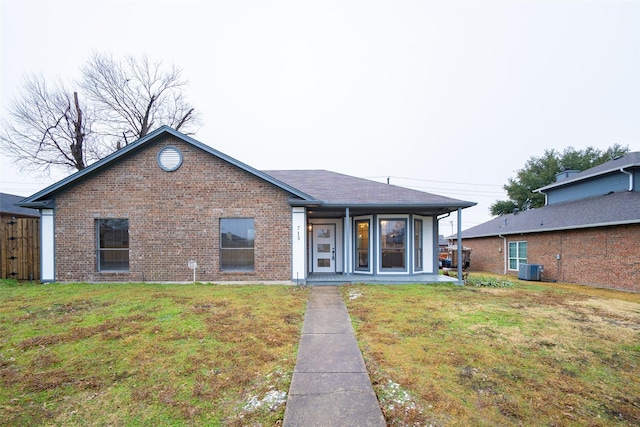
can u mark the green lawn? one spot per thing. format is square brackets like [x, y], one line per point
[528, 354]
[147, 354]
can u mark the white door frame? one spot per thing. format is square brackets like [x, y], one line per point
[335, 251]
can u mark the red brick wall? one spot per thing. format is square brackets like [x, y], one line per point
[604, 256]
[173, 217]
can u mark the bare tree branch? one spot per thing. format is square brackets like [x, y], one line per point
[42, 129]
[135, 96]
[49, 127]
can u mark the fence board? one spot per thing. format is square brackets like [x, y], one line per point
[20, 248]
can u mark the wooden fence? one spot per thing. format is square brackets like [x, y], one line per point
[20, 248]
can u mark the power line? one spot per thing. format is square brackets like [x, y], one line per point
[460, 191]
[433, 180]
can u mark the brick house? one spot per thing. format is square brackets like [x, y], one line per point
[588, 232]
[166, 202]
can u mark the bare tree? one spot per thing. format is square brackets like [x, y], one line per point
[46, 126]
[54, 126]
[134, 96]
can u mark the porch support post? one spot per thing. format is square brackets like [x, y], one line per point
[460, 281]
[347, 243]
[435, 244]
[47, 246]
[298, 245]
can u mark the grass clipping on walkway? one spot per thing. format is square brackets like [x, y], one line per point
[528, 354]
[147, 354]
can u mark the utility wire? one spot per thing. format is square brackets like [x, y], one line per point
[433, 180]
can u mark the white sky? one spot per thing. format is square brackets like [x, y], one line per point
[448, 97]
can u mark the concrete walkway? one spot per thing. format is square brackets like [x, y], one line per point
[330, 384]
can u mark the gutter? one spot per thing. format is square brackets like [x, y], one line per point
[581, 178]
[630, 178]
[560, 228]
[400, 205]
[445, 216]
[43, 204]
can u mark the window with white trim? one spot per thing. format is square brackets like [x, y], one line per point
[363, 237]
[417, 244]
[517, 254]
[393, 244]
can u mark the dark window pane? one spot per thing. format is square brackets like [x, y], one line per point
[417, 226]
[117, 260]
[362, 244]
[393, 238]
[113, 244]
[236, 233]
[237, 259]
[236, 244]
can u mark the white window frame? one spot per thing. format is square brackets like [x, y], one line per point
[518, 258]
[408, 244]
[372, 249]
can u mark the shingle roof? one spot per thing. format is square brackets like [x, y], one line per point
[8, 204]
[313, 187]
[611, 209]
[338, 189]
[626, 161]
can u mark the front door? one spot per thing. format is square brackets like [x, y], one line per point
[324, 248]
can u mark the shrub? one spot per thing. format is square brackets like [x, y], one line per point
[491, 282]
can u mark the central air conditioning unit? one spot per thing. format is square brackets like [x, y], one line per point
[530, 272]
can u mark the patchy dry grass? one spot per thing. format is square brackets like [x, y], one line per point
[147, 354]
[530, 354]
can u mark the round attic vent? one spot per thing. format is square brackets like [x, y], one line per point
[170, 158]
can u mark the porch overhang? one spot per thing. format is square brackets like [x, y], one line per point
[336, 210]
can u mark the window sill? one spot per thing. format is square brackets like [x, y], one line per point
[247, 272]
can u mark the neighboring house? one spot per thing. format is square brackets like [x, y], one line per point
[168, 201]
[10, 209]
[443, 250]
[19, 240]
[588, 232]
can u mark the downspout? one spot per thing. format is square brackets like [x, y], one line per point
[436, 245]
[504, 252]
[630, 178]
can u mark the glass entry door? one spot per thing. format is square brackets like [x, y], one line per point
[324, 248]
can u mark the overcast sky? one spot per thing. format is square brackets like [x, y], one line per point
[448, 97]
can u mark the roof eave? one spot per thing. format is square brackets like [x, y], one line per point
[551, 229]
[451, 206]
[381, 206]
[153, 135]
[311, 203]
[581, 178]
[95, 166]
[41, 204]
